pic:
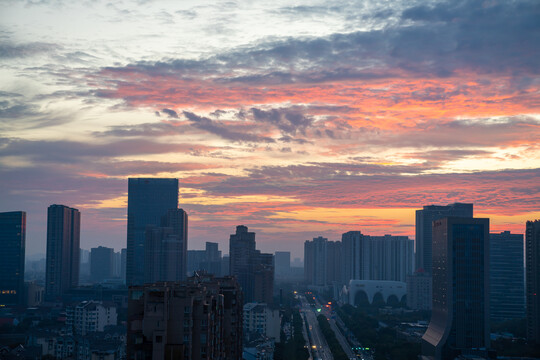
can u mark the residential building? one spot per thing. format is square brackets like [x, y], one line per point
[315, 261]
[419, 290]
[333, 262]
[460, 313]
[90, 316]
[356, 253]
[101, 263]
[13, 243]
[200, 318]
[149, 199]
[532, 258]
[424, 220]
[195, 261]
[391, 258]
[261, 320]
[63, 250]
[507, 285]
[282, 263]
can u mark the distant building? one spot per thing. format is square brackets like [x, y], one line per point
[419, 290]
[424, 221]
[507, 286]
[165, 248]
[392, 257]
[282, 263]
[149, 199]
[333, 262]
[460, 315]
[90, 316]
[254, 271]
[63, 250]
[315, 261]
[200, 318]
[34, 293]
[213, 259]
[356, 256]
[123, 259]
[101, 263]
[262, 320]
[196, 259]
[13, 244]
[532, 251]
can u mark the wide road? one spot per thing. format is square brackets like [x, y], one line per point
[319, 347]
[339, 336]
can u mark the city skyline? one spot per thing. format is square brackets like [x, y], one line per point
[298, 119]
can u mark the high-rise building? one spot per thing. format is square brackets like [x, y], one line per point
[507, 286]
[356, 253]
[282, 263]
[12, 243]
[123, 260]
[165, 248]
[148, 201]
[254, 271]
[460, 315]
[101, 263]
[424, 220]
[532, 275]
[391, 258]
[315, 261]
[63, 250]
[333, 262]
[213, 259]
[200, 318]
[196, 260]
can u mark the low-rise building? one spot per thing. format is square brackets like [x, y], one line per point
[261, 320]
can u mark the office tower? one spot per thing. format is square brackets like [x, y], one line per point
[356, 254]
[12, 242]
[424, 220]
[460, 315]
[282, 263]
[391, 257]
[315, 261]
[419, 290]
[532, 275]
[101, 263]
[254, 271]
[507, 286]
[148, 201]
[333, 262]
[200, 318]
[63, 250]
[165, 248]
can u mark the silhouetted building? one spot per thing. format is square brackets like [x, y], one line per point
[12, 245]
[63, 250]
[282, 263]
[333, 262]
[196, 259]
[424, 220]
[532, 253]
[148, 201]
[507, 286]
[315, 261]
[356, 256]
[200, 318]
[391, 257]
[166, 248]
[460, 315]
[419, 290]
[254, 271]
[123, 260]
[101, 263]
[213, 259]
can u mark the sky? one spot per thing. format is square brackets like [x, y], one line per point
[295, 118]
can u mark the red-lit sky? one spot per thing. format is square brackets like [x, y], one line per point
[297, 119]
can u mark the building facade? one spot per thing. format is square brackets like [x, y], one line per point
[391, 258]
[63, 250]
[200, 318]
[355, 257]
[259, 319]
[507, 285]
[460, 314]
[282, 263]
[315, 261]
[90, 316]
[419, 290]
[101, 263]
[424, 237]
[148, 201]
[532, 275]
[13, 244]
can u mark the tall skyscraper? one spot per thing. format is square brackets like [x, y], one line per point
[254, 271]
[532, 275]
[507, 286]
[424, 220]
[101, 263]
[333, 262]
[316, 261]
[63, 250]
[12, 243]
[200, 318]
[356, 256]
[148, 201]
[460, 315]
[391, 257]
[165, 248]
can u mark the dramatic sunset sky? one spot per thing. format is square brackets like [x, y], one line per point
[295, 118]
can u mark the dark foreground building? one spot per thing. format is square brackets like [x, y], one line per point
[532, 250]
[200, 318]
[12, 244]
[460, 317]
